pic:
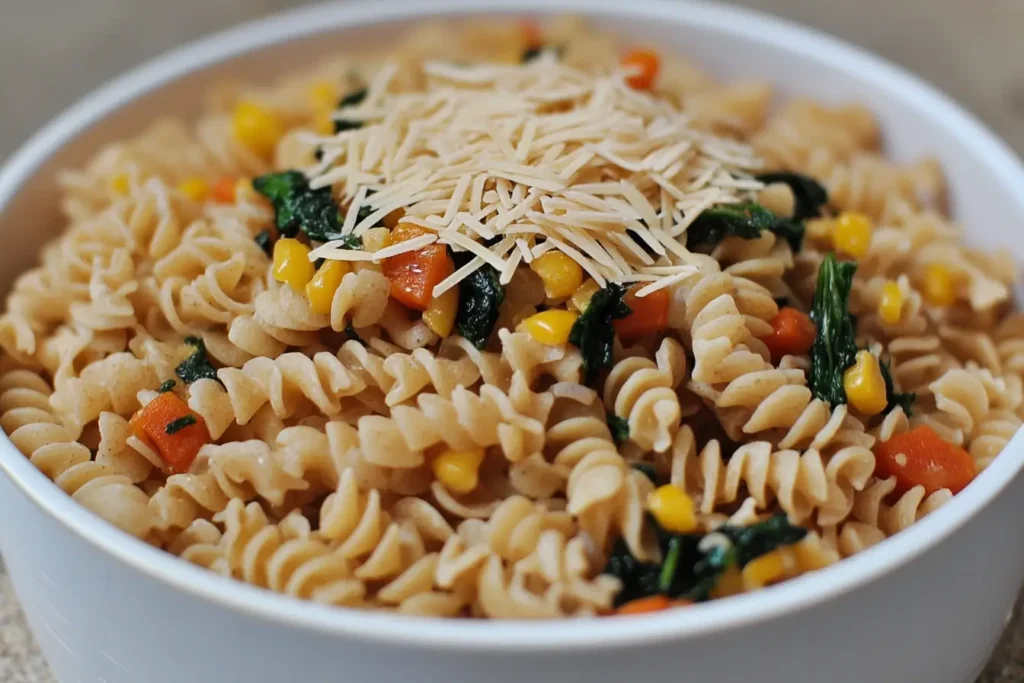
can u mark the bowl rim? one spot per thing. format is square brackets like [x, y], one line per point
[510, 636]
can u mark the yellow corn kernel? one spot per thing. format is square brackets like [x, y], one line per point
[581, 297]
[376, 239]
[852, 234]
[195, 189]
[323, 121]
[672, 508]
[323, 95]
[119, 184]
[440, 314]
[257, 128]
[729, 583]
[890, 305]
[939, 285]
[458, 471]
[763, 570]
[865, 388]
[320, 290]
[550, 327]
[809, 556]
[291, 263]
[561, 275]
[390, 221]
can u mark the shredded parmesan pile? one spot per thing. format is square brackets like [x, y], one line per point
[510, 162]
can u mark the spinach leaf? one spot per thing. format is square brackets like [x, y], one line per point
[834, 348]
[809, 194]
[690, 572]
[619, 428]
[480, 298]
[904, 400]
[350, 100]
[747, 220]
[791, 231]
[196, 366]
[175, 426]
[593, 333]
[752, 541]
[351, 333]
[166, 386]
[647, 469]
[531, 53]
[296, 206]
[262, 238]
[639, 579]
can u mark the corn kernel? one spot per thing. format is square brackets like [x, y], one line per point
[672, 508]
[323, 95]
[581, 297]
[729, 583]
[939, 285]
[550, 327]
[119, 184]
[440, 314]
[390, 221]
[323, 121]
[890, 305]
[852, 234]
[320, 290]
[195, 189]
[376, 239]
[865, 388]
[291, 263]
[763, 570]
[257, 128]
[561, 275]
[809, 556]
[458, 471]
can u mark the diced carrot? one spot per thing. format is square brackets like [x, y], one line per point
[650, 314]
[792, 333]
[405, 231]
[644, 65]
[531, 33]
[414, 274]
[653, 603]
[188, 432]
[920, 457]
[223, 191]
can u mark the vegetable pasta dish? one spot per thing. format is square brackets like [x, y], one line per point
[510, 321]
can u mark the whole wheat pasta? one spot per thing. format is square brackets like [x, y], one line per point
[483, 328]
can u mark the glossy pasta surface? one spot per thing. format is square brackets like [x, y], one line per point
[512, 321]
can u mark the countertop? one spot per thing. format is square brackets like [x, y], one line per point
[54, 51]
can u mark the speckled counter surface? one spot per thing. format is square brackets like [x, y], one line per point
[53, 51]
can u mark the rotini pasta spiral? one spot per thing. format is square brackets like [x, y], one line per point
[51, 447]
[644, 394]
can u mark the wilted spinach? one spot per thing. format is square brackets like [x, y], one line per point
[809, 195]
[196, 366]
[262, 238]
[480, 298]
[299, 207]
[593, 333]
[350, 100]
[175, 426]
[747, 220]
[835, 346]
[166, 386]
[619, 428]
[686, 571]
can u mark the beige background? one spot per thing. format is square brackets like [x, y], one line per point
[53, 51]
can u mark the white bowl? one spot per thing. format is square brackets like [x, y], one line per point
[927, 605]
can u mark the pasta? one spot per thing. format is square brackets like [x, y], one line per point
[492, 328]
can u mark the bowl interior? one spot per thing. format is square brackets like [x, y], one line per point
[987, 183]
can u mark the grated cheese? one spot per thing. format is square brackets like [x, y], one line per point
[508, 162]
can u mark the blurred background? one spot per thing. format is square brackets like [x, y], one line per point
[54, 51]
